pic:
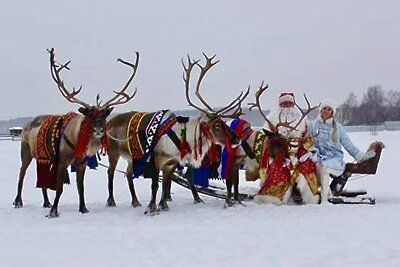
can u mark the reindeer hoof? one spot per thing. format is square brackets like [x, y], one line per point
[52, 214]
[163, 205]
[111, 202]
[237, 200]
[197, 200]
[83, 210]
[136, 203]
[18, 203]
[228, 204]
[152, 210]
[47, 205]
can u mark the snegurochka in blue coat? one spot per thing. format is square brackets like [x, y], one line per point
[329, 138]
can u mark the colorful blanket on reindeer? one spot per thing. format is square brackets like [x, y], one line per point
[47, 149]
[144, 130]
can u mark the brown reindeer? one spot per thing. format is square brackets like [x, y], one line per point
[178, 140]
[284, 140]
[57, 141]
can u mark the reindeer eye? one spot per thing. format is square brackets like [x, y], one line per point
[217, 125]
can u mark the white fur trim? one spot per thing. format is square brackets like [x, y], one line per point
[359, 157]
[286, 98]
[266, 199]
[327, 102]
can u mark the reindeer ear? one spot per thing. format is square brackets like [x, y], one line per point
[109, 110]
[269, 134]
[83, 110]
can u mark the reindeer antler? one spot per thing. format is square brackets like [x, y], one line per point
[186, 79]
[304, 113]
[257, 105]
[120, 96]
[234, 106]
[55, 70]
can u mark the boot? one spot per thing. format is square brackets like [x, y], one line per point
[296, 195]
[337, 185]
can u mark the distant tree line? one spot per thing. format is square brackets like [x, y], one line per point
[376, 107]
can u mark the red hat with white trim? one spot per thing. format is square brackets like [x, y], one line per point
[286, 97]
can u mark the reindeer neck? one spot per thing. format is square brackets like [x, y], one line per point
[72, 132]
[199, 144]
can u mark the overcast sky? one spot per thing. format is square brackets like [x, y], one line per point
[321, 48]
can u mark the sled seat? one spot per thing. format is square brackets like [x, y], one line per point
[367, 167]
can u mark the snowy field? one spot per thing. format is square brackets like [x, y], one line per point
[202, 234]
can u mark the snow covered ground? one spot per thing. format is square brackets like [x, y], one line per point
[202, 234]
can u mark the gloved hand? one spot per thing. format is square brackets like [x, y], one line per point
[311, 154]
[361, 157]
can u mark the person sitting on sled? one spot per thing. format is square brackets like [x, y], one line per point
[329, 137]
[284, 172]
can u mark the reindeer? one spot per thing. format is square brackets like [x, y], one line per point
[282, 142]
[57, 141]
[196, 137]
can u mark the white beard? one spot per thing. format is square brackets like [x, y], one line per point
[290, 114]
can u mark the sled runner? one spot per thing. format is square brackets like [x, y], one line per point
[211, 190]
[352, 200]
[351, 193]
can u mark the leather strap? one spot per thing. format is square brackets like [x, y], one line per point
[247, 149]
[69, 143]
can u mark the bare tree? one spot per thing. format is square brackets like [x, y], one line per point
[392, 105]
[349, 108]
[373, 106]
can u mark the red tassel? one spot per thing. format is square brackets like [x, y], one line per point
[212, 153]
[83, 139]
[184, 145]
[184, 148]
[104, 145]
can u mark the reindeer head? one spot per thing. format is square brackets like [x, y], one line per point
[95, 116]
[213, 119]
[98, 118]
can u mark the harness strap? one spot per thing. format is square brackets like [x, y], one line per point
[247, 149]
[174, 138]
[69, 143]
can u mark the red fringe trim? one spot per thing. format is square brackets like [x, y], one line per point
[83, 139]
[104, 145]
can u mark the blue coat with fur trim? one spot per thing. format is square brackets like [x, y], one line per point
[331, 153]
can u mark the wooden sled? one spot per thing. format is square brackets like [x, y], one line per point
[367, 167]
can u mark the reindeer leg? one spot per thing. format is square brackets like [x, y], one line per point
[166, 182]
[80, 174]
[113, 160]
[129, 177]
[152, 207]
[167, 170]
[235, 177]
[168, 196]
[189, 177]
[46, 201]
[228, 200]
[59, 190]
[26, 159]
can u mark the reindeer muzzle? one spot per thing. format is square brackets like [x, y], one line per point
[98, 132]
